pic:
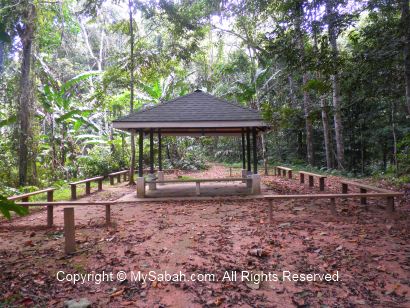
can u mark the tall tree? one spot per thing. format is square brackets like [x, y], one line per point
[25, 30]
[337, 101]
[305, 79]
[405, 26]
[132, 167]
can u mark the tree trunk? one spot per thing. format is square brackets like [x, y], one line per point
[326, 133]
[132, 167]
[26, 33]
[405, 18]
[308, 123]
[264, 153]
[305, 79]
[393, 126]
[336, 88]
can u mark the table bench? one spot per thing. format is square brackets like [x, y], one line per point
[117, 175]
[199, 181]
[280, 170]
[311, 176]
[363, 189]
[87, 182]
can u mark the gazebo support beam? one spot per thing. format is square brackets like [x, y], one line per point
[255, 154]
[248, 148]
[141, 153]
[151, 151]
[160, 173]
[159, 150]
[243, 150]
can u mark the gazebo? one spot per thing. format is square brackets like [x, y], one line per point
[195, 114]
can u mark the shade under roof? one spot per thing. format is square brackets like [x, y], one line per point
[197, 113]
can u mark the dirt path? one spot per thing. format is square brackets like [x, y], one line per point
[370, 253]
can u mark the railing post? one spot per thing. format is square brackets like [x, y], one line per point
[311, 184]
[290, 174]
[87, 188]
[322, 184]
[69, 230]
[302, 178]
[363, 200]
[50, 197]
[390, 204]
[100, 183]
[119, 178]
[74, 192]
[111, 179]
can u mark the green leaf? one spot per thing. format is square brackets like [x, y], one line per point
[76, 80]
[7, 206]
[9, 121]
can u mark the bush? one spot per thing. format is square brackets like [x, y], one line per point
[99, 161]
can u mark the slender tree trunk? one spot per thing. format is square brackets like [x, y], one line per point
[26, 33]
[1, 55]
[393, 126]
[132, 167]
[405, 18]
[326, 133]
[293, 99]
[308, 123]
[337, 117]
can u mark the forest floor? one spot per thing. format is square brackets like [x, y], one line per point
[368, 249]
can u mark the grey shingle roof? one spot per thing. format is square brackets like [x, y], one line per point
[196, 106]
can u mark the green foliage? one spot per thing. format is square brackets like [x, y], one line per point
[7, 206]
[99, 161]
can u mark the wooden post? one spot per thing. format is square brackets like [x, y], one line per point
[311, 181]
[50, 197]
[119, 178]
[159, 150]
[322, 184]
[243, 150]
[274, 171]
[255, 153]
[111, 179]
[248, 148]
[87, 188]
[363, 200]
[74, 192]
[230, 171]
[140, 153]
[390, 204]
[333, 206]
[345, 188]
[151, 151]
[69, 230]
[290, 174]
[108, 214]
[197, 188]
[302, 178]
[125, 176]
[270, 211]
